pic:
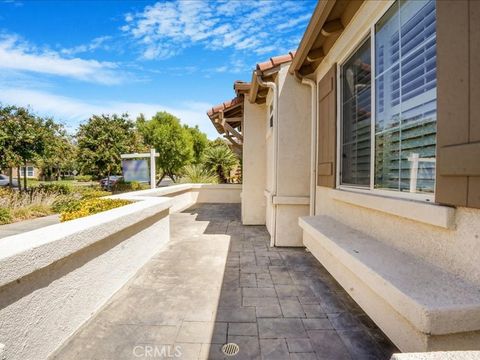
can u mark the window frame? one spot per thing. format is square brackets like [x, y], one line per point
[368, 33]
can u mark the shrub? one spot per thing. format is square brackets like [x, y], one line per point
[53, 188]
[92, 206]
[5, 216]
[91, 192]
[124, 186]
[221, 160]
[66, 203]
[198, 174]
[83, 178]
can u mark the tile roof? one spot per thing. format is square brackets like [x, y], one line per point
[224, 106]
[275, 61]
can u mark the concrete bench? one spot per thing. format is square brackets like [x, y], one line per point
[419, 306]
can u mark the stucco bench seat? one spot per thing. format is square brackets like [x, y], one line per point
[418, 305]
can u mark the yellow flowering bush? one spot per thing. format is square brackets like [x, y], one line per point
[92, 206]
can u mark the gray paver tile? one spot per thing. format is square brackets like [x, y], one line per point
[249, 347]
[307, 300]
[246, 329]
[187, 351]
[303, 356]
[248, 280]
[259, 301]
[241, 314]
[259, 292]
[360, 345]
[345, 321]
[219, 335]
[317, 324]
[274, 349]
[270, 311]
[291, 307]
[313, 311]
[328, 345]
[286, 290]
[195, 332]
[280, 328]
[299, 345]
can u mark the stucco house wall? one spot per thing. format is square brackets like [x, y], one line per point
[254, 164]
[454, 249]
[293, 160]
[445, 238]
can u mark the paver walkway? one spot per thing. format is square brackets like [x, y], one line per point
[217, 282]
[27, 225]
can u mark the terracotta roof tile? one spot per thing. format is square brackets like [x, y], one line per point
[275, 61]
[224, 106]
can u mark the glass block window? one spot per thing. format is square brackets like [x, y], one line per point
[356, 117]
[405, 101]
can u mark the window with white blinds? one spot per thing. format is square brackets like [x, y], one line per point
[404, 117]
[405, 88]
[356, 115]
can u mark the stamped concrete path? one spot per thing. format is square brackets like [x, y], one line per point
[218, 282]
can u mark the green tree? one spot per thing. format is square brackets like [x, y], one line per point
[220, 159]
[102, 140]
[199, 143]
[22, 139]
[60, 152]
[172, 142]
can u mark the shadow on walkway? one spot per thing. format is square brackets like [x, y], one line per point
[218, 281]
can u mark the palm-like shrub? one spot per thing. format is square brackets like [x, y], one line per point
[198, 174]
[221, 160]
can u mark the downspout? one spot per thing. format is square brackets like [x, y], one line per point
[273, 86]
[313, 140]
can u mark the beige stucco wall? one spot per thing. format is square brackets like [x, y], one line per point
[455, 250]
[254, 164]
[54, 278]
[293, 152]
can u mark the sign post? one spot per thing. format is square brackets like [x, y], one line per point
[152, 155]
[152, 169]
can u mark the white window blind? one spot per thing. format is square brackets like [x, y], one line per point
[356, 117]
[405, 104]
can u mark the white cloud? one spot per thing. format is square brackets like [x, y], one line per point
[17, 55]
[95, 44]
[74, 111]
[162, 30]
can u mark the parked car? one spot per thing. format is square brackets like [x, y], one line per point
[104, 183]
[5, 181]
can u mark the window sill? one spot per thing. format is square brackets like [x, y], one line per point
[428, 213]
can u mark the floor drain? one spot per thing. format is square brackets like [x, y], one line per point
[230, 349]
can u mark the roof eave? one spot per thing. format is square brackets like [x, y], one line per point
[320, 14]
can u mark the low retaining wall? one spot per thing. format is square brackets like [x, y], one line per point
[55, 278]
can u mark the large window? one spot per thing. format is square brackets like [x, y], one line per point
[356, 115]
[404, 120]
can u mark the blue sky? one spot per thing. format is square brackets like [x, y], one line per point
[69, 59]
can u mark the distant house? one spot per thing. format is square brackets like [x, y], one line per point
[363, 146]
[32, 172]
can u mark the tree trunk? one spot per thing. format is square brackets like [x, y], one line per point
[19, 179]
[161, 178]
[25, 176]
[10, 177]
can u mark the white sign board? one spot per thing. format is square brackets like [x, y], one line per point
[135, 170]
